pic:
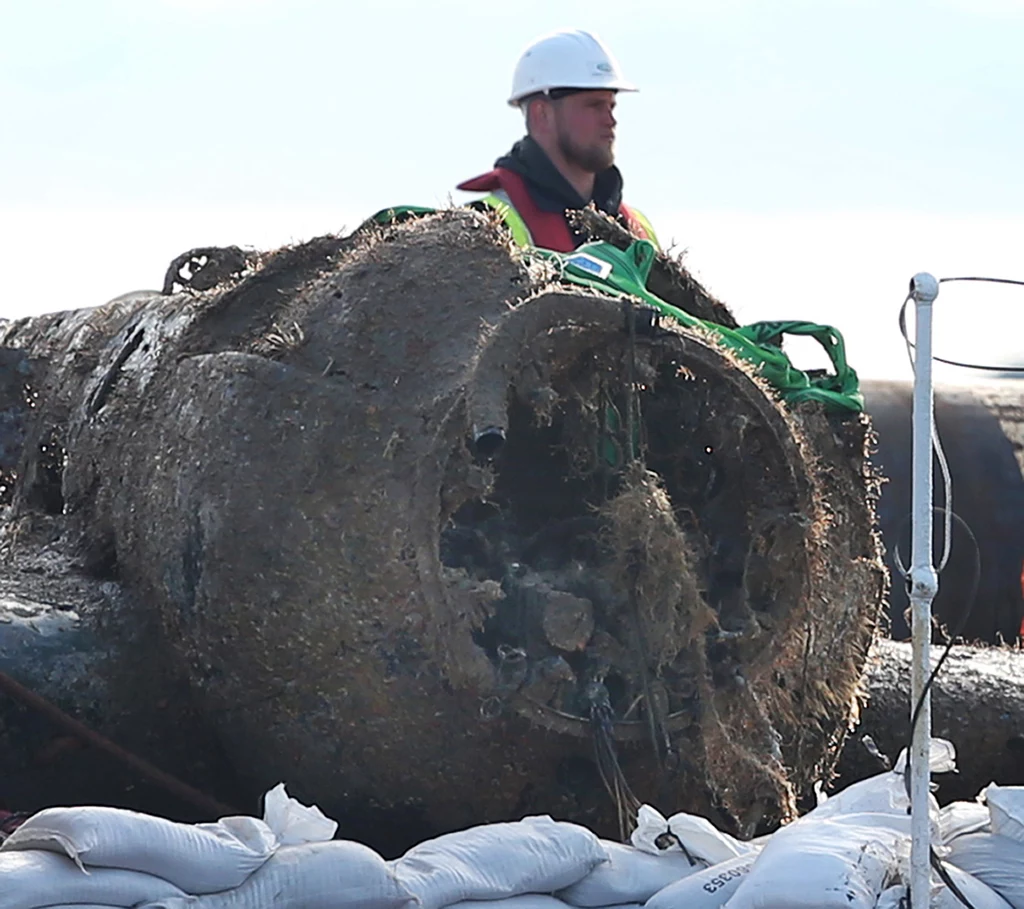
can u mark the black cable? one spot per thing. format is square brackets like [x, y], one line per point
[986, 280]
[1016, 370]
[601, 721]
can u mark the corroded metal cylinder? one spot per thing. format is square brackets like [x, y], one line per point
[438, 540]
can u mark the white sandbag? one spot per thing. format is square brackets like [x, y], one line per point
[960, 818]
[978, 893]
[883, 796]
[493, 861]
[941, 757]
[834, 863]
[893, 898]
[707, 889]
[227, 850]
[523, 901]
[334, 875]
[886, 793]
[198, 858]
[700, 838]
[629, 876]
[293, 823]
[996, 860]
[31, 879]
[1006, 808]
[528, 901]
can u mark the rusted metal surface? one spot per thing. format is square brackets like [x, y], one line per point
[650, 558]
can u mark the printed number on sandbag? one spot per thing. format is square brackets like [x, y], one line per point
[717, 883]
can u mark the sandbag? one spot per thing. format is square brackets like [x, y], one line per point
[528, 901]
[996, 860]
[707, 889]
[294, 823]
[961, 818]
[523, 901]
[697, 835]
[886, 793]
[629, 876]
[336, 875]
[534, 855]
[978, 894]
[895, 897]
[1006, 809]
[198, 858]
[31, 879]
[836, 863]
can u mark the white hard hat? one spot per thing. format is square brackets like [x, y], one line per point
[566, 59]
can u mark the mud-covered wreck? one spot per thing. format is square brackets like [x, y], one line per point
[402, 519]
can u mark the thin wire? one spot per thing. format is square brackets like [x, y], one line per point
[988, 280]
[626, 803]
[985, 367]
[947, 484]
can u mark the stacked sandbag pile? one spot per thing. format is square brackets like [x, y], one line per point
[110, 857]
[992, 852]
[851, 852]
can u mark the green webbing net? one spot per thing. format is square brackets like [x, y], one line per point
[607, 269]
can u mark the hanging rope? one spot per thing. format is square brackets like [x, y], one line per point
[601, 722]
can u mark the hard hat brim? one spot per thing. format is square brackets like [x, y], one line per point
[614, 86]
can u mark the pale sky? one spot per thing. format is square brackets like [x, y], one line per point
[810, 155]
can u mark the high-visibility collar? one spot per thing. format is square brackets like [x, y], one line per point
[530, 224]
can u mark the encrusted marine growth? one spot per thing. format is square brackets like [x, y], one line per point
[439, 539]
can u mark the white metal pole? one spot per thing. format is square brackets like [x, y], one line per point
[924, 583]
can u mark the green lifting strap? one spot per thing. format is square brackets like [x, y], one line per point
[398, 213]
[605, 268]
[608, 269]
[768, 336]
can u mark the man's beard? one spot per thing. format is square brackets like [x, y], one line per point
[593, 159]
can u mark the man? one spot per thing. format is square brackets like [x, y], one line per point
[566, 85]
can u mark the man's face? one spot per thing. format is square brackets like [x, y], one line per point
[585, 129]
